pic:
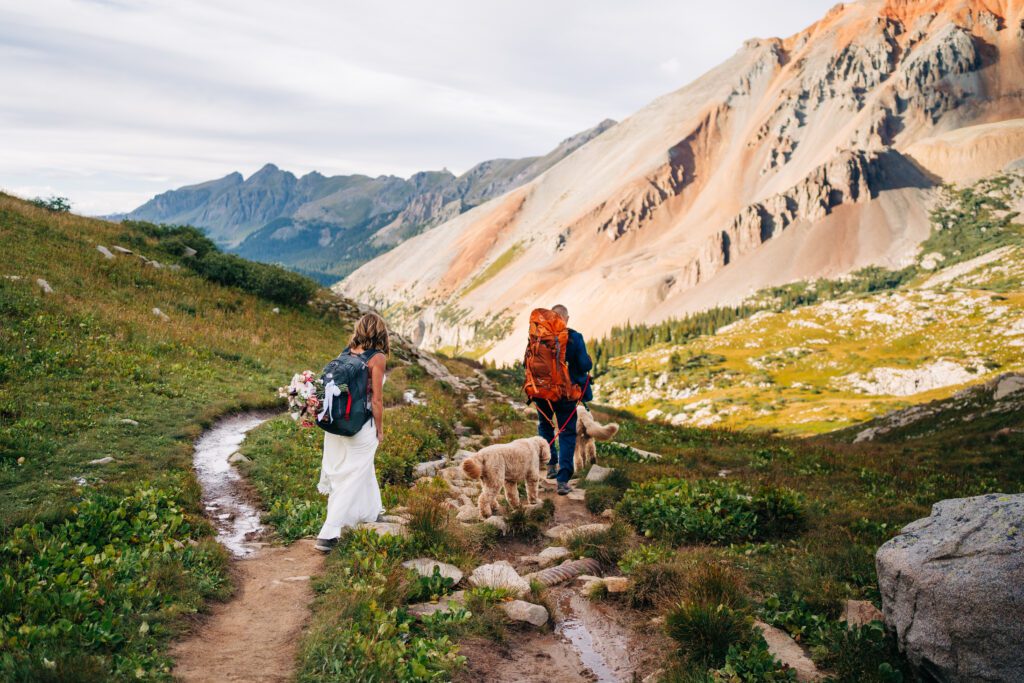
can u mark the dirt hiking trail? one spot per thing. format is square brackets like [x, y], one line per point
[254, 636]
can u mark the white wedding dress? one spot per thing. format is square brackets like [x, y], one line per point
[349, 480]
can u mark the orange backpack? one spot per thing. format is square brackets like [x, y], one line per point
[547, 373]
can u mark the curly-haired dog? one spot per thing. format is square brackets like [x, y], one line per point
[505, 465]
[588, 432]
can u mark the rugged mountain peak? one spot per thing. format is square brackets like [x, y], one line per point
[791, 159]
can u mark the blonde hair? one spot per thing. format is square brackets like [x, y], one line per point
[371, 332]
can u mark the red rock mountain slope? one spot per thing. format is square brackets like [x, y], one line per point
[801, 157]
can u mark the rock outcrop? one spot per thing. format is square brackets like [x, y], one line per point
[952, 589]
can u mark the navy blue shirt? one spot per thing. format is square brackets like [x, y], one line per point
[578, 360]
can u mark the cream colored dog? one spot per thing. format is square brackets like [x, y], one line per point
[588, 432]
[504, 465]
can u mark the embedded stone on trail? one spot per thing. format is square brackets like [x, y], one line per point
[565, 533]
[385, 528]
[598, 473]
[860, 613]
[428, 469]
[952, 589]
[550, 556]
[103, 250]
[462, 430]
[424, 566]
[101, 461]
[461, 455]
[499, 574]
[520, 610]
[393, 519]
[566, 571]
[578, 495]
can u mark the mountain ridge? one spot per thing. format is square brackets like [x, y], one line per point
[785, 162]
[326, 225]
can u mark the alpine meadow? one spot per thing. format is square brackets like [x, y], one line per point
[729, 389]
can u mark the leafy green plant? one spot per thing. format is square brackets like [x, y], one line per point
[711, 511]
[55, 204]
[866, 653]
[752, 663]
[643, 555]
[430, 587]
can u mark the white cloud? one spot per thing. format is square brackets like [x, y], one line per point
[110, 102]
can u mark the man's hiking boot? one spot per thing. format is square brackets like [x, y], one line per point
[552, 471]
[325, 545]
[563, 488]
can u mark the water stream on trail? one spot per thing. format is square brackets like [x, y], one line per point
[595, 651]
[236, 519]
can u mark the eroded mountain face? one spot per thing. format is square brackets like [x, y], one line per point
[328, 225]
[797, 158]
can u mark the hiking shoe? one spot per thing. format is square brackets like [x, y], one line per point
[563, 488]
[552, 471]
[325, 545]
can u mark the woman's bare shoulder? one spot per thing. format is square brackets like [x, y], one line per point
[378, 361]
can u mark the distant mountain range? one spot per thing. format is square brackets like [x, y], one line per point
[326, 226]
[797, 158]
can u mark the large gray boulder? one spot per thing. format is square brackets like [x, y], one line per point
[953, 589]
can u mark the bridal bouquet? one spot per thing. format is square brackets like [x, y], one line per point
[302, 396]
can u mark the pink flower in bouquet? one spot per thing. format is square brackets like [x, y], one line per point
[308, 376]
[313, 402]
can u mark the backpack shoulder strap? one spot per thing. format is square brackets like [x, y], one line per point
[368, 354]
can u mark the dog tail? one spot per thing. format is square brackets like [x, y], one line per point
[472, 468]
[603, 432]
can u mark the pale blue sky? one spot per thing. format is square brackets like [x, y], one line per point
[111, 101]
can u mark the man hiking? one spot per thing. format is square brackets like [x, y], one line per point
[553, 348]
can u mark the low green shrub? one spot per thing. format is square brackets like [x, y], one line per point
[601, 497]
[705, 632]
[604, 546]
[273, 283]
[527, 524]
[95, 591]
[865, 654]
[752, 663]
[430, 587]
[711, 511]
[643, 555]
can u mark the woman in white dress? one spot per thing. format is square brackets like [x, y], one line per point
[347, 474]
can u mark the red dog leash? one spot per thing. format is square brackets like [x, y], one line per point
[554, 422]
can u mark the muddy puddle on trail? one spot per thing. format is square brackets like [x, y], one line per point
[225, 499]
[602, 645]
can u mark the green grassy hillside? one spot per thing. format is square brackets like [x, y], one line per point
[99, 561]
[815, 357]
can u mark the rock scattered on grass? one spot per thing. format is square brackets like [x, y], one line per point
[44, 285]
[237, 457]
[121, 250]
[553, 555]
[160, 314]
[860, 612]
[617, 584]
[520, 610]
[498, 523]
[598, 473]
[468, 513]
[424, 566]
[106, 252]
[101, 461]
[789, 652]
[500, 574]
[130, 422]
[428, 469]
[952, 591]
[385, 528]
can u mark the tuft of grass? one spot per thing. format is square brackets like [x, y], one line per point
[705, 632]
[604, 546]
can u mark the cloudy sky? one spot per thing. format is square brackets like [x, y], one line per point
[109, 102]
